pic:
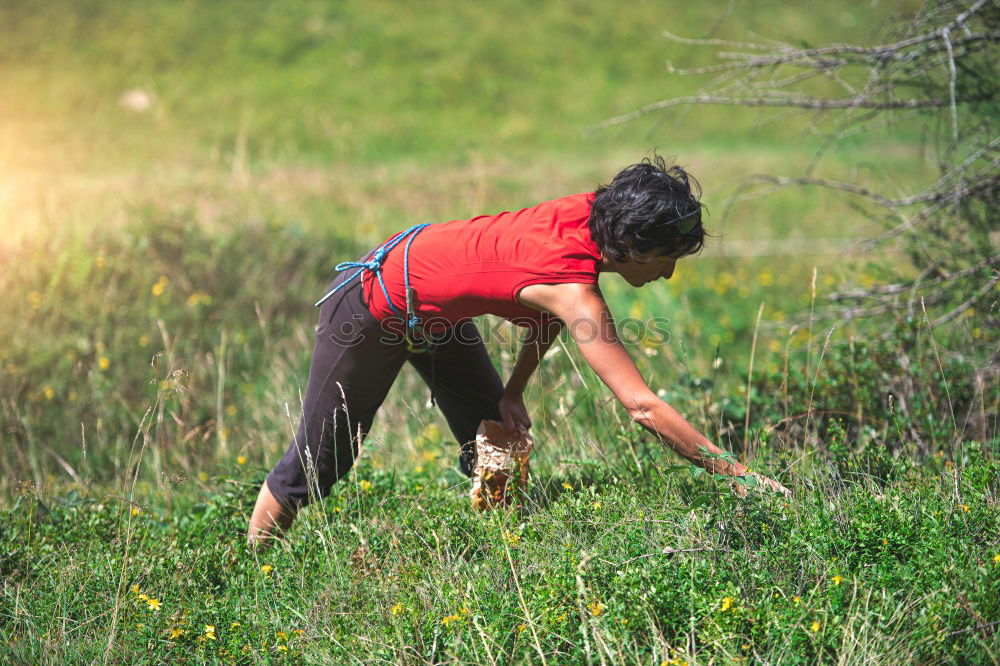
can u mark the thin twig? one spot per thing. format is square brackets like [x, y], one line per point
[900, 288]
[978, 627]
[666, 551]
[796, 101]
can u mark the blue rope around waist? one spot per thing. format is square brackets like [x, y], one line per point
[373, 262]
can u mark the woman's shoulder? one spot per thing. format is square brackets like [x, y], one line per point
[578, 203]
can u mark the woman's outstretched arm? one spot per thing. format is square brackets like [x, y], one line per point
[586, 314]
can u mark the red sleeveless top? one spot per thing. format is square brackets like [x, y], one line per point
[465, 268]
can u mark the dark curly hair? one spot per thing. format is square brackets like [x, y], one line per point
[648, 207]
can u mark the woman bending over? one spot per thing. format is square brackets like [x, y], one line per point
[413, 299]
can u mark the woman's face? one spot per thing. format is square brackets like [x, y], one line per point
[638, 273]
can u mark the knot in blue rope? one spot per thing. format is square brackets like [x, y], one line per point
[373, 263]
[379, 256]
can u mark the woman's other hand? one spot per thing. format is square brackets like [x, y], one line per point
[514, 414]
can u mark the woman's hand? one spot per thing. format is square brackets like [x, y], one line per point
[762, 481]
[514, 414]
[772, 484]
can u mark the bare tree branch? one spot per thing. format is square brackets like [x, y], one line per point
[900, 288]
[797, 101]
[941, 65]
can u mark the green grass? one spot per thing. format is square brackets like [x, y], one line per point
[399, 568]
[158, 271]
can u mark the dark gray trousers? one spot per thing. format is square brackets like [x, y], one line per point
[354, 363]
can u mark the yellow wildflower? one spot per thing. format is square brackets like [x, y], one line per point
[365, 485]
[282, 648]
[48, 392]
[837, 580]
[234, 625]
[567, 486]
[176, 633]
[241, 460]
[596, 608]
[231, 410]
[996, 560]
[143, 340]
[210, 632]
[397, 609]
[266, 569]
[299, 632]
[135, 511]
[282, 636]
[203, 476]
[815, 626]
[512, 538]
[143, 597]
[448, 619]
[104, 363]
[160, 286]
[796, 600]
[597, 505]
[522, 627]
[100, 261]
[965, 507]
[135, 589]
[727, 603]
[154, 604]
[198, 298]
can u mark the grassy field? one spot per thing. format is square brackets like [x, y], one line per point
[177, 180]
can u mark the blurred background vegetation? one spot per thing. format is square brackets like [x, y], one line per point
[178, 178]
